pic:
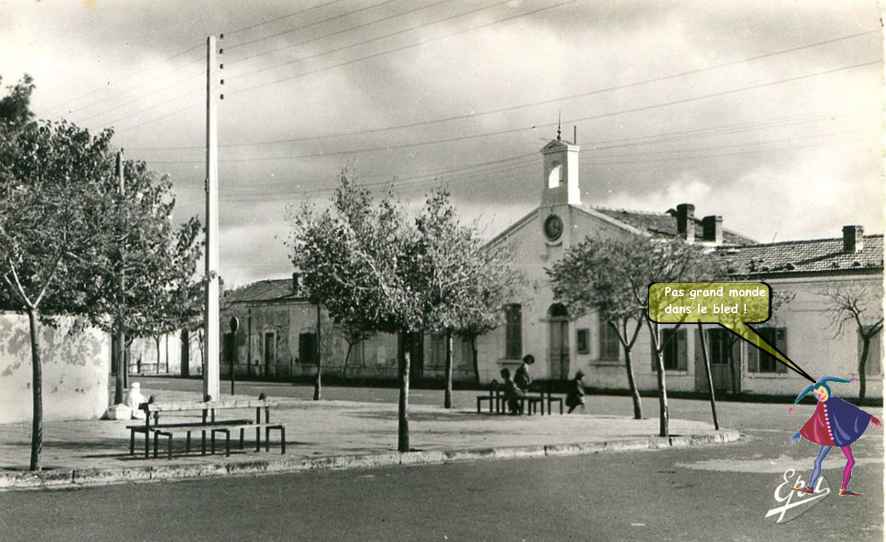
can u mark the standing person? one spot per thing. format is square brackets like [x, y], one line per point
[521, 376]
[834, 423]
[513, 394]
[575, 395]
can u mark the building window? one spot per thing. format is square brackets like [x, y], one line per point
[673, 344]
[438, 349]
[307, 347]
[719, 344]
[759, 361]
[467, 352]
[513, 331]
[609, 344]
[872, 365]
[582, 341]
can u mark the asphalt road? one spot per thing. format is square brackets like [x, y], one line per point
[712, 493]
[718, 493]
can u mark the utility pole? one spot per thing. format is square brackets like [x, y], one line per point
[211, 335]
[122, 369]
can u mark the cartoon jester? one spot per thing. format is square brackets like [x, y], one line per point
[835, 422]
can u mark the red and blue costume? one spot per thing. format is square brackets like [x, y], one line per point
[835, 422]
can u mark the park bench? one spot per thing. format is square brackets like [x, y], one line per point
[529, 403]
[208, 423]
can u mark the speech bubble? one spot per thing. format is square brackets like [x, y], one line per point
[732, 305]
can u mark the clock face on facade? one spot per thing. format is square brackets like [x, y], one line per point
[553, 227]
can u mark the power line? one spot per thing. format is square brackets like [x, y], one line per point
[550, 124]
[354, 61]
[280, 18]
[175, 83]
[537, 103]
[60, 105]
[375, 39]
[520, 158]
[417, 44]
[492, 168]
[343, 31]
[309, 25]
[706, 156]
[726, 146]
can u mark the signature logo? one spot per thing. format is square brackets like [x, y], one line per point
[792, 503]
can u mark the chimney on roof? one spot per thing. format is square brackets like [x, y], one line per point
[712, 229]
[686, 222]
[853, 239]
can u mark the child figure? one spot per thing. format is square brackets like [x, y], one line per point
[834, 423]
[134, 398]
[575, 395]
[512, 393]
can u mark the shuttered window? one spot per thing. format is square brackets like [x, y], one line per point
[673, 342]
[760, 361]
[582, 341]
[609, 345]
[513, 331]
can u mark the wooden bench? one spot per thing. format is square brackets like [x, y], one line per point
[208, 422]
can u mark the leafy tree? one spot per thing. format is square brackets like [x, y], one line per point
[143, 286]
[52, 227]
[858, 305]
[358, 259]
[464, 283]
[15, 107]
[612, 276]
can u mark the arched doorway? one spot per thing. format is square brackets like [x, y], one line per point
[558, 323]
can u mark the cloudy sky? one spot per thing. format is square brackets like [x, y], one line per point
[766, 112]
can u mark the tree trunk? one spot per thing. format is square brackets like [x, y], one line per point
[403, 402]
[862, 365]
[344, 367]
[122, 367]
[730, 358]
[318, 383]
[157, 343]
[447, 394]
[475, 358]
[663, 429]
[37, 383]
[707, 369]
[632, 385]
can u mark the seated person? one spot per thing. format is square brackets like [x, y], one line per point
[522, 378]
[134, 398]
[575, 394]
[512, 393]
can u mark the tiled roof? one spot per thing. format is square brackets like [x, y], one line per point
[263, 290]
[665, 225]
[810, 256]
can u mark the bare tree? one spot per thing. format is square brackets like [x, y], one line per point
[858, 306]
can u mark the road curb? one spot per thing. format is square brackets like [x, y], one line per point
[87, 477]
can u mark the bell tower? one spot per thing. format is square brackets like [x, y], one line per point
[560, 181]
